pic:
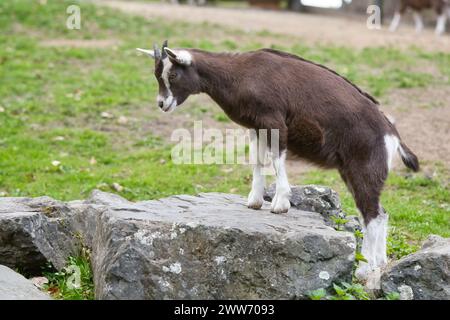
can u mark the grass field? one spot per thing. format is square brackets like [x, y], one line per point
[78, 114]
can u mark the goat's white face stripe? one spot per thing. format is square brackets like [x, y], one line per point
[169, 102]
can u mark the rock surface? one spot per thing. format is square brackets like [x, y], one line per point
[209, 246]
[14, 286]
[424, 275]
[34, 232]
[212, 247]
[319, 199]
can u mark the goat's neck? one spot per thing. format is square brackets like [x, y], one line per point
[218, 78]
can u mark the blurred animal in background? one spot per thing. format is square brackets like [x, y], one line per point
[441, 7]
[189, 2]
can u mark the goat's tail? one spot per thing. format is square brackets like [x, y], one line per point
[408, 157]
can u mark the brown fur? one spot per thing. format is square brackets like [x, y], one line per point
[322, 117]
[419, 5]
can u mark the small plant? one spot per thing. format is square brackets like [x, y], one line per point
[359, 234]
[339, 223]
[75, 281]
[393, 296]
[345, 291]
[318, 294]
[349, 291]
[360, 257]
[398, 245]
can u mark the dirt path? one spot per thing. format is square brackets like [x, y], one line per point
[311, 28]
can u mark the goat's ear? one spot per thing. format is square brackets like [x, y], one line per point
[150, 53]
[182, 57]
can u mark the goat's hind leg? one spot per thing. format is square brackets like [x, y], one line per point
[366, 185]
[258, 150]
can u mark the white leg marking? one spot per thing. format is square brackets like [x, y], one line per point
[395, 22]
[373, 247]
[281, 202]
[418, 21]
[258, 150]
[392, 145]
[381, 254]
[441, 22]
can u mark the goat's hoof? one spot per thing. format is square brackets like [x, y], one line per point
[371, 278]
[362, 272]
[255, 205]
[280, 205]
[255, 202]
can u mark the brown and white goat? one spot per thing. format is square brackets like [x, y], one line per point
[441, 7]
[321, 117]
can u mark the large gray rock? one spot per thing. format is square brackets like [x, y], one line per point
[209, 246]
[14, 286]
[212, 247]
[423, 275]
[34, 232]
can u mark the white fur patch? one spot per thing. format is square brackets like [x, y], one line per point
[184, 57]
[281, 202]
[256, 196]
[181, 56]
[392, 145]
[374, 246]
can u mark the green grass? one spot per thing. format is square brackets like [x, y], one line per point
[417, 206]
[53, 99]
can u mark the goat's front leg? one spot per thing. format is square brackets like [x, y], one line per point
[281, 202]
[258, 150]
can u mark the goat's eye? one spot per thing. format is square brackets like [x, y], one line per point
[173, 76]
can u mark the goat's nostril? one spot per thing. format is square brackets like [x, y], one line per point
[160, 104]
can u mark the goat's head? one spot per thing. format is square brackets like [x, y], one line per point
[176, 76]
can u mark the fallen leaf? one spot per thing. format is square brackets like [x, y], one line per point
[122, 120]
[106, 115]
[117, 187]
[56, 163]
[39, 282]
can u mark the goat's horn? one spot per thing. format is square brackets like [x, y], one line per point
[156, 50]
[164, 54]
